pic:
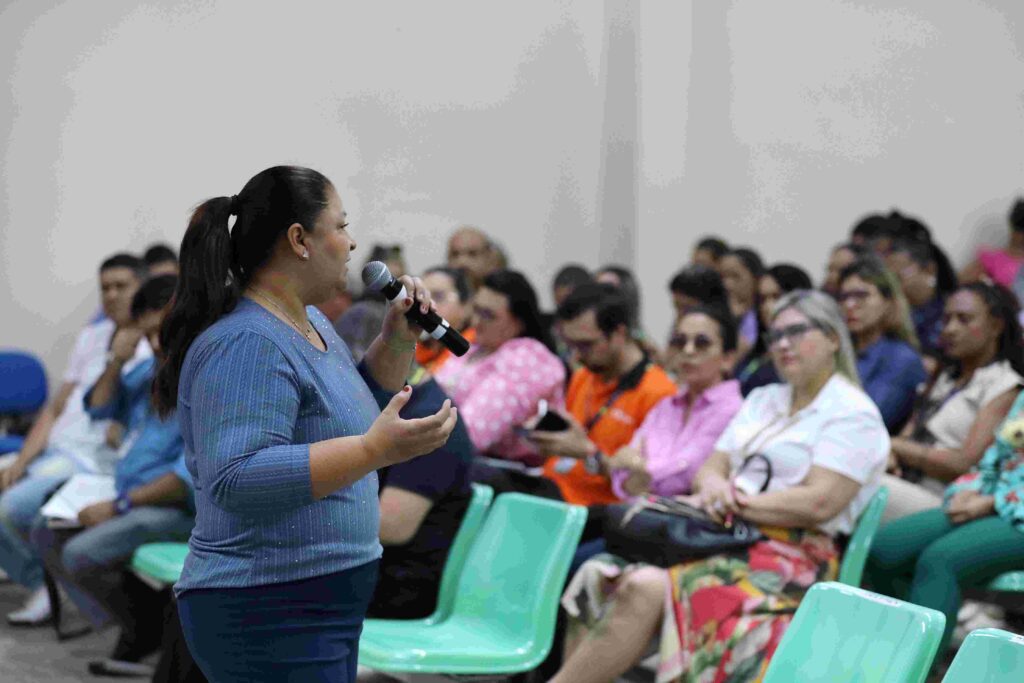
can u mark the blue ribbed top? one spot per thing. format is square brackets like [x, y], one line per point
[253, 396]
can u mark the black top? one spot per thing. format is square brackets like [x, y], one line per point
[410, 574]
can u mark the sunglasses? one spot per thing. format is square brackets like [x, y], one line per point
[701, 342]
[791, 332]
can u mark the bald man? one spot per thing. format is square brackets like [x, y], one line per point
[471, 250]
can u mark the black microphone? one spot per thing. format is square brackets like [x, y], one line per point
[377, 278]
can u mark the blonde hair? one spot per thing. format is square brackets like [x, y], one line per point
[823, 313]
[898, 322]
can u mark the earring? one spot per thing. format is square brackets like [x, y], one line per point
[305, 256]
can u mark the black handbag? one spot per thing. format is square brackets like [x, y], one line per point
[666, 532]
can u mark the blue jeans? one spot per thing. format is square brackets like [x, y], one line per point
[19, 506]
[300, 631]
[90, 562]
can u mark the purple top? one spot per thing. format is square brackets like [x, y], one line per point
[675, 450]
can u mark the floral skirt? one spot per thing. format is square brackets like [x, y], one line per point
[724, 615]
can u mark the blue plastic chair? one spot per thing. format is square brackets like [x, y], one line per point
[23, 390]
[843, 634]
[988, 655]
[503, 618]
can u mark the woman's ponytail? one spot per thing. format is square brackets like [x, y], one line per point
[207, 289]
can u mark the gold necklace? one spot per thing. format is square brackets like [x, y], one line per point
[307, 333]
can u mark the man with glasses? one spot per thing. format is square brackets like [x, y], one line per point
[608, 396]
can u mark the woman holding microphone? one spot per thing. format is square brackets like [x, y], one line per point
[283, 432]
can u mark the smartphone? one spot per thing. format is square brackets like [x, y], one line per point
[551, 422]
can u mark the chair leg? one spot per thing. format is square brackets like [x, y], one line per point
[56, 612]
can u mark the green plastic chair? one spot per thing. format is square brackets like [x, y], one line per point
[843, 634]
[988, 655]
[503, 618]
[469, 528]
[851, 571]
[159, 564]
[1010, 582]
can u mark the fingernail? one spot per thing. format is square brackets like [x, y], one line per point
[408, 300]
[407, 388]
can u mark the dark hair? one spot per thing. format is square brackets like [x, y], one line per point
[571, 275]
[870, 227]
[926, 253]
[716, 246]
[125, 260]
[218, 262]
[384, 252]
[751, 260]
[607, 302]
[1002, 304]
[459, 279]
[630, 291]
[154, 294]
[789, 277]
[1016, 216]
[726, 324]
[159, 253]
[701, 283]
[522, 303]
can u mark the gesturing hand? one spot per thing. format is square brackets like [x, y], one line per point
[392, 439]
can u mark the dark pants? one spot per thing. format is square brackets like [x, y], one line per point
[291, 632]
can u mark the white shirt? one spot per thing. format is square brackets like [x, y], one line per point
[74, 434]
[841, 430]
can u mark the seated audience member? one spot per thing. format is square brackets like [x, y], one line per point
[471, 250]
[878, 319]
[450, 291]
[422, 502]
[842, 256]
[622, 279]
[878, 233]
[927, 279]
[608, 396]
[930, 557]
[568, 278]
[498, 384]
[708, 252]
[360, 323]
[956, 417]
[677, 435]
[694, 286]
[1001, 265]
[778, 280]
[160, 259]
[153, 500]
[826, 445]
[63, 441]
[741, 272]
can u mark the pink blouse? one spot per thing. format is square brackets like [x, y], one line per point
[674, 451]
[499, 391]
[999, 266]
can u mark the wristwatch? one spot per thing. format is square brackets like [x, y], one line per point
[123, 504]
[592, 463]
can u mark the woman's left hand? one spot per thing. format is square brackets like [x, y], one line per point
[969, 505]
[397, 331]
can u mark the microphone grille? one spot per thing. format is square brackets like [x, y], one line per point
[376, 275]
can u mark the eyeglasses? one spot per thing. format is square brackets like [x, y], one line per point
[856, 296]
[791, 332]
[701, 342]
[484, 314]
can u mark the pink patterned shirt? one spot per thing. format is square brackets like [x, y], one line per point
[499, 391]
[675, 451]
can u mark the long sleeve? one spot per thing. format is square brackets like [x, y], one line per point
[244, 408]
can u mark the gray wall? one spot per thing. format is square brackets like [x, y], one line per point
[594, 132]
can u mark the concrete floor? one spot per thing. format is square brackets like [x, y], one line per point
[33, 655]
